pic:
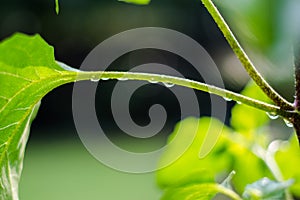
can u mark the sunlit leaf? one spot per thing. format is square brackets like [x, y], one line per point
[28, 71]
[218, 161]
[233, 151]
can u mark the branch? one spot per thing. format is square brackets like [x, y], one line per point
[104, 75]
[297, 75]
[296, 119]
[242, 56]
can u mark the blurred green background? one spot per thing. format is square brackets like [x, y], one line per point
[57, 166]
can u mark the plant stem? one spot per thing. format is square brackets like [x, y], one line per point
[296, 119]
[242, 56]
[185, 83]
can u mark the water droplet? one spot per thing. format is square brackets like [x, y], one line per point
[238, 102]
[272, 115]
[95, 79]
[169, 84]
[152, 81]
[227, 99]
[104, 79]
[288, 123]
[122, 79]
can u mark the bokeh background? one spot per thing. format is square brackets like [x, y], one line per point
[57, 166]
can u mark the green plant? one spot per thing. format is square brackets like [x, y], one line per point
[26, 75]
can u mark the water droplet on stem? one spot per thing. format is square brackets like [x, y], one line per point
[288, 123]
[94, 78]
[169, 84]
[122, 79]
[227, 99]
[272, 115]
[152, 81]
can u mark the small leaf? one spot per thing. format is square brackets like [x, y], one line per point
[266, 189]
[138, 2]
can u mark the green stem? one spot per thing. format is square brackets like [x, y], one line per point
[97, 75]
[242, 56]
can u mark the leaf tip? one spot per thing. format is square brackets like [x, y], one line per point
[137, 2]
[57, 7]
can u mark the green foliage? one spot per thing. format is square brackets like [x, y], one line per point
[239, 149]
[201, 169]
[28, 71]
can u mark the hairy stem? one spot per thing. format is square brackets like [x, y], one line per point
[296, 119]
[297, 74]
[242, 56]
[98, 75]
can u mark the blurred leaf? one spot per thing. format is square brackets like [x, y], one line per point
[138, 2]
[27, 72]
[198, 192]
[218, 161]
[247, 165]
[266, 189]
[246, 119]
[233, 151]
[288, 159]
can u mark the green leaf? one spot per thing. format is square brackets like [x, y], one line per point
[266, 189]
[189, 164]
[20, 51]
[138, 2]
[233, 151]
[246, 119]
[28, 71]
[205, 191]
